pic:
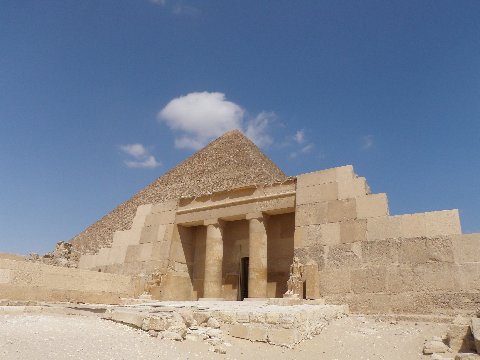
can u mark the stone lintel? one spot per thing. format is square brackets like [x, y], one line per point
[255, 215]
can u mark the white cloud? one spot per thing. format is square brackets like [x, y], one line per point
[367, 142]
[307, 148]
[257, 128]
[141, 157]
[299, 137]
[135, 150]
[200, 117]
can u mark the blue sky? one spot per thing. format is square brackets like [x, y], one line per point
[95, 97]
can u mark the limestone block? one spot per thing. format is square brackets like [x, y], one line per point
[412, 225]
[330, 234]
[277, 189]
[257, 333]
[238, 331]
[466, 248]
[127, 237]
[156, 323]
[181, 251]
[117, 254]
[339, 174]
[311, 214]
[388, 227]
[87, 261]
[344, 256]
[459, 335]
[445, 222]
[154, 233]
[467, 356]
[372, 205]
[155, 265]
[167, 217]
[356, 187]
[141, 252]
[161, 250]
[369, 280]
[436, 276]
[380, 252]
[102, 257]
[140, 215]
[176, 286]
[283, 337]
[475, 328]
[282, 204]
[326, 234]
[169, 205]
[467, 277]
[353, 230]
[341, 210]
[402, 279]
[317, 193]
[134, 319]
[422, 250]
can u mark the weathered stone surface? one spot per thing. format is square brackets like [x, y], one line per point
[435, 346]
[467, 356]
[459, 335]
[475, 328]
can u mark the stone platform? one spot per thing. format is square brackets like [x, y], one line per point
[269, 321]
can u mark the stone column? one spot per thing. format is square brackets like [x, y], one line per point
[257, 253]
[212, 287]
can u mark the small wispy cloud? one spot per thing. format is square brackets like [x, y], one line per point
[140, 157]
[299, 137]
[300, 143]
[307, 148]
[367, 142]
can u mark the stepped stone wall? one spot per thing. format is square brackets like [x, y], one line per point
[414, 263]
[27, 281]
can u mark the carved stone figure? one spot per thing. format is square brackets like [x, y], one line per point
[295, 281]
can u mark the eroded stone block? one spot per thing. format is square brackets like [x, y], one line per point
[372, 205]
[341, 210]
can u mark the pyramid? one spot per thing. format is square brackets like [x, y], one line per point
[228, 162]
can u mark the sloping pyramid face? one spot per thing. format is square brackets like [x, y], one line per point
[228, 162]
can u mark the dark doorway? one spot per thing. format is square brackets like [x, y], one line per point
[243, 288]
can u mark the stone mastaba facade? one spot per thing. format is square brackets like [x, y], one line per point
[228, 224]
[240, 241]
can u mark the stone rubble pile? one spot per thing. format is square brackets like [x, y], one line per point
[63, 255]
[461, 341]
[177, 326]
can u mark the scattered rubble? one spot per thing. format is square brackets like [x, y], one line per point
[63, 255]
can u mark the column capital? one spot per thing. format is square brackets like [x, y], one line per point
[214, 222]
[255, 215]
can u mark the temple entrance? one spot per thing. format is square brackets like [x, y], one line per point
[243, 288]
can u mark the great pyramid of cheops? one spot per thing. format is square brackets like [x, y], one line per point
[228, 162]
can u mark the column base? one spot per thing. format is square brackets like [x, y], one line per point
[211, 299]
[255, 299]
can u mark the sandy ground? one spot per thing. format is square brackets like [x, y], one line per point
[41, 336]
